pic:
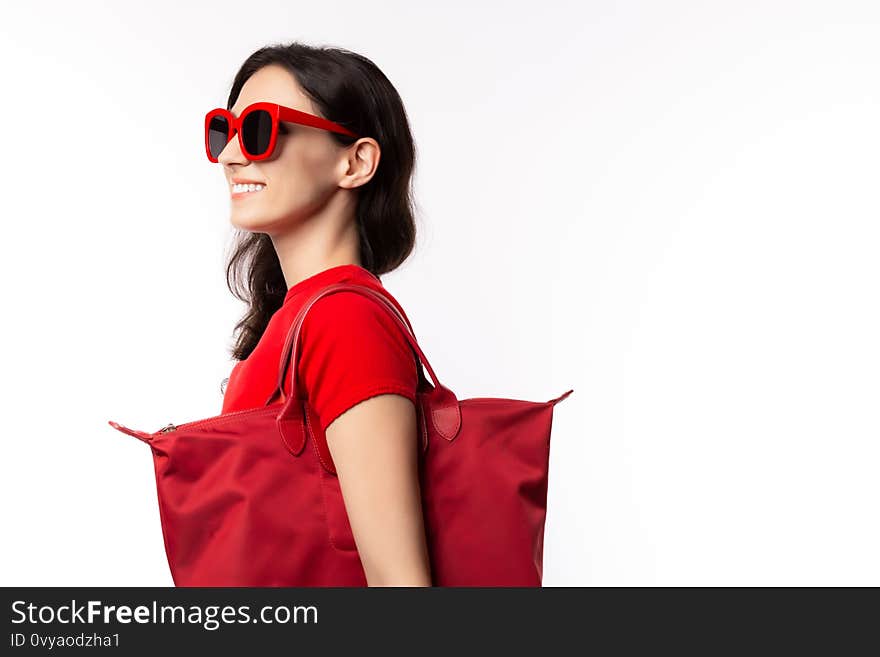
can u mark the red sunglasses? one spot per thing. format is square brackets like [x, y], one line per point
[257, 128]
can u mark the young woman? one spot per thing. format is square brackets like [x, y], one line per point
[327, 199]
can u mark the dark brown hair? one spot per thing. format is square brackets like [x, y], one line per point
[349, 89]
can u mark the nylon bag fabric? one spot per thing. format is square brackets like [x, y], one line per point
[251, 497]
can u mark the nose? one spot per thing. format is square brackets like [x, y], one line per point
[231, 153]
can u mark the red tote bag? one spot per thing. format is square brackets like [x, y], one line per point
[251, 498]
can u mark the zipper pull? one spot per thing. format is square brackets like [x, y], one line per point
[140, 435]
[167, 428]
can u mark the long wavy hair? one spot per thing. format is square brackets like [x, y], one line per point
[349, 89]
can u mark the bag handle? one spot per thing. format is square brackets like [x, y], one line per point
[300, 317]
[292, 340]
[440, 403]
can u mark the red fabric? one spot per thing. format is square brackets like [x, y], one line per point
[246, 498]
[351, 350]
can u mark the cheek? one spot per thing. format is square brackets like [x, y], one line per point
[301, 181]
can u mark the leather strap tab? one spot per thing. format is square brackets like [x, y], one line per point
[439, 402]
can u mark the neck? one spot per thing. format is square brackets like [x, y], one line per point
[323, 240]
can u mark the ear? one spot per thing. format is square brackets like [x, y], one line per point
[359, 163]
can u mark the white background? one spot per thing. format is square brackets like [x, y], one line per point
[670, 207]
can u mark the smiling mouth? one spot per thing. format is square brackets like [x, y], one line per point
[241, 191]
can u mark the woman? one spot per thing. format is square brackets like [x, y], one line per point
[331, 202]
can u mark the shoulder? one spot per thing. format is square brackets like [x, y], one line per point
[353, 349]
[347, 312]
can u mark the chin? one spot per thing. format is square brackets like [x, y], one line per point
[258, 224]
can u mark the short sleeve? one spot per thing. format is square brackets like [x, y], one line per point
[352, 350]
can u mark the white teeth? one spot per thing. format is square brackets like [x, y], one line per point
[250, 187]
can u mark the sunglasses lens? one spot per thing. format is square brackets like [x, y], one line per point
[256, 131]
[218, 135]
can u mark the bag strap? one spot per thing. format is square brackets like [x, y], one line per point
[300, 317]
[439, 402]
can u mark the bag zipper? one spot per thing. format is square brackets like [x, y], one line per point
[168, 428]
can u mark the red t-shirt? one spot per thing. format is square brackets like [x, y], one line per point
[350, 349]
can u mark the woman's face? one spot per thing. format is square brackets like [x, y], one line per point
[303, 172]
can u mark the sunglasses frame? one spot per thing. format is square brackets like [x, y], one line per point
[277, 113]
